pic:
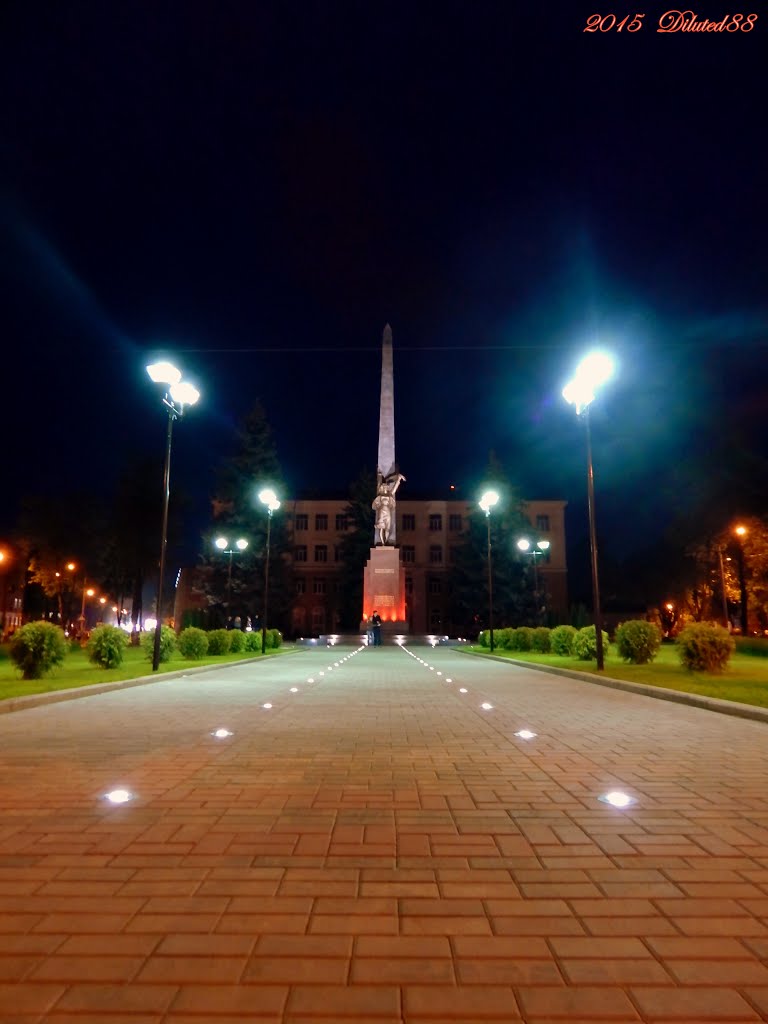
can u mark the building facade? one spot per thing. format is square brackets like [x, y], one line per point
[428, 534]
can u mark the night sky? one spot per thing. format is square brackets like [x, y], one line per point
[256, 188]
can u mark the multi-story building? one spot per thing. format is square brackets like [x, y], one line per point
[428, 536]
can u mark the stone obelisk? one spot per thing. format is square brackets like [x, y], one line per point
[384, 578]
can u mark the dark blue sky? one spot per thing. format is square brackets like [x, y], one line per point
[258, 188]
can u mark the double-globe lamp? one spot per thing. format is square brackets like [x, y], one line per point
[178, 394]
[593, 371]
[226, 548]
[488, 501]
[534, 550]
[267, 497]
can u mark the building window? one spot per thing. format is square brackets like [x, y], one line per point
[409, 553]
[337, 557]
[321, 552]
[454, 523]
[436, 555]
[300, 553]
[435, 522]
[318, 586]
[342, 523]
[453, 555]
[302, 521]
[408, 521]
[409, 584]
[435, 616]
[435, 586]
[318, 619]
[301, 586]
[321, 521]
[542, 523]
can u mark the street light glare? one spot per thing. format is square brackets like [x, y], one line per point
[741, 530]
[267, 496]
[524, 544]
[488, 500]
[221, 543]
[241, 544]
[596, 367]
[543, 544]
[164, 373]
[184, 393]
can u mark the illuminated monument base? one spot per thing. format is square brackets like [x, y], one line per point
[384, 591]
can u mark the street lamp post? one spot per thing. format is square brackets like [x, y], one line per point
[594, 370]
[741, 532]
[269, 498]
[535, 550]
[722, 585]
[487, 502]
[177, 395]
[223, 545]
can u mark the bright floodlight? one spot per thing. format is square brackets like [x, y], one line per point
[267, 496]
[543, 545]
[164, 373]
[184, 393]
[488, 500]
[241, 544]
[594, 369]
[616, 798]
[524, 544]
[221, 543]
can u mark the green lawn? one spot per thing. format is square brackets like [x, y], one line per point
[78, 671]
[745, 680]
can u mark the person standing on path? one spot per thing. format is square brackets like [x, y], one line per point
[376, 628]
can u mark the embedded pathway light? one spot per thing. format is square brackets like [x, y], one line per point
[595, 369]
[224, 546]
[267, 497]
[487, 502]
[178, 394]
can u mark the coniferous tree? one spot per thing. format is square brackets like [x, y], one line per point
[355, 549]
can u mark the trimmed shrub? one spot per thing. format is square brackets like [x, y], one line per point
[106, 647]
[37, 648]
[542, 640]
[219, 641]
[236, 641]
[638, 641]
[704, 647]
[484, 638]
[253, 641]
[561, 640]
[274, 639]
[521, 639]
[193, 643]
[502, 638]
[167, 643]
[585, 644]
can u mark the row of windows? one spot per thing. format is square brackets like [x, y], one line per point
[407, 522]
[321, 586]
[301, 553]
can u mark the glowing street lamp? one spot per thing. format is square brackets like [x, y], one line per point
[595, 369]
[267, 497]
[741, 532]
[178, 394]
[225, 547]
[488, 501]
[535, 550]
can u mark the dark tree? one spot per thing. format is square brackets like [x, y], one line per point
[355, 550]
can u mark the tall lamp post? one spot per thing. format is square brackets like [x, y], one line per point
[269, 498]
[741, 532]
[177, 395]
[594, 370]
[487, 502]
[535, 550]
[223, 545]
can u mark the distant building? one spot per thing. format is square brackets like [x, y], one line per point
[428, 533]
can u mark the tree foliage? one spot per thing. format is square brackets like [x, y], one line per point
[355, 549]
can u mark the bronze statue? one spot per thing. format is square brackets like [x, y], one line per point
[384, 504]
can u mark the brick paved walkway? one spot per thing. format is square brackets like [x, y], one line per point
[377, 847]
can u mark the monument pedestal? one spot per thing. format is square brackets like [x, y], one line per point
[384, 590]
